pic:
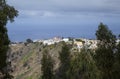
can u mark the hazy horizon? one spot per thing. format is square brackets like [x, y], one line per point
[16, 34]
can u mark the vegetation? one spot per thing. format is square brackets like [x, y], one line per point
[83, 66]
[64, 57]
[29, 40]
[47, 66]
[7, 13]
[116, 67]
[104, 56]
[103, 63]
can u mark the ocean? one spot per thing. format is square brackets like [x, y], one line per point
[23, 33]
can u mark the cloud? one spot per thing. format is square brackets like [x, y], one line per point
[81, 17]
[67, 5]
[66, 10]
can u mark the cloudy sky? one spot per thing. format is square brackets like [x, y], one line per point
[72, 15]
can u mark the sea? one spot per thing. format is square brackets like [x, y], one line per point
[18, 34]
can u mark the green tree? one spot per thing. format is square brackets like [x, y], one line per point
[104, 56]
[119, 36]
[47, 66]
[118, 52]
[7, 13]
[64, 57]
[83, 66]
[116, 71]
[29, 40]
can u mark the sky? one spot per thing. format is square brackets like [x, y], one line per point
[73, 18]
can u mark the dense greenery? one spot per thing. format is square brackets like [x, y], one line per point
[101, 63]
[116, 67]
[64, 57]
[83, 66]
[7, 13]
[104, 56]
[47, 66]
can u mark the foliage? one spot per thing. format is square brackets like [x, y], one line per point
[64, 57]
[47, 66]
[116, 70]
[104, 56]
[119, 35]
[7, 13]
[29, 40]
[105, 35]
[118, 52]
[83, 66]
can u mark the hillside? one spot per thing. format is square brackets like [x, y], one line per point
[26, 59]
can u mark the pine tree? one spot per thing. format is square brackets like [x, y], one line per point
[83, 66]
[7, 13]
[118, 52]
[116, 71]
[104, 56]
[47, 66]
[64, 57]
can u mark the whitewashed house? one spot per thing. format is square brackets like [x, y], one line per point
[65, 39]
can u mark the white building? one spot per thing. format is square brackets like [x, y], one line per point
[52, 41]
[65, 39]
[48, 42]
